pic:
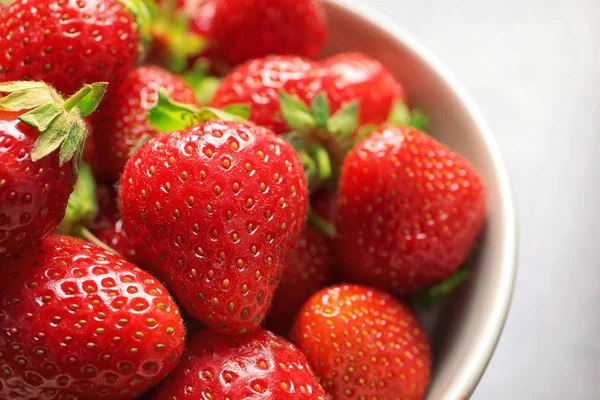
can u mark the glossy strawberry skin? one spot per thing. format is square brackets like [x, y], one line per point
[67, 42]
[363, 343]
[121, 122]
[33, 195]
[259, 81]
[79, 322]
[357, 76]
[306, 270]
[218, 206]
[108, 226]
[257, 366]
[248, 29]
[409, 210]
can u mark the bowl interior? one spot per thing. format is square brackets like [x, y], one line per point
[466, 329]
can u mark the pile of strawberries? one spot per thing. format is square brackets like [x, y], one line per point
[181, 179]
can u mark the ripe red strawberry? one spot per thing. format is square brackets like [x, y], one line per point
[363, 343]
[306, 271]
[344, 78]
[121, 121]
[258, 83]
[409, 210]
[69, 43]
[246, 29]
[39, 158]
[257, 366]
[218, 205]
[108, 226]
[79, 322]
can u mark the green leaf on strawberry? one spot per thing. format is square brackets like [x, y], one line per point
[402, 115]
[169, 115]
[59, 122]
[204, 85]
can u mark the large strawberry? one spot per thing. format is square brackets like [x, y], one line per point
[258, 83]
[121, 121]
[67, 43]
[409, 210]
[218, 204]
[79, 322]
[364, 344]
[41, 142]
[257, 366]
[306, 271]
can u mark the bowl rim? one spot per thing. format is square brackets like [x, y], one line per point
[483, 349]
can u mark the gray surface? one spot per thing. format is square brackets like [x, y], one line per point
[533, 67]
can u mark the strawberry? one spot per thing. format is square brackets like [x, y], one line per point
[257, 366]
[306, 271]
[69, 43]
[409, 210]
[343, 79]
[360, 77]
[246, 29]
[78, 322]
[121, 121]
[363, 343]
[258, 82]
[41, 142]
[218, 205]
[108, 226]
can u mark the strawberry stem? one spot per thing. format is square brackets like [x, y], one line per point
[322, 161]
[84, 233]
[320, 224]
[435, 294]
[76, 98]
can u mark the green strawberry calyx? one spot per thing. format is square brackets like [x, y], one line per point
[402, 115]
[170, 28]
[168, 115]
[203, 85]
[60, 122]
[321, 139]
[302, 118]
[82, 209]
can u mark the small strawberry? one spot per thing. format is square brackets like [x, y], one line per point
[409, 210]
[41, 143]
[78, 322]
[246, 29]
[257, 366]
[306, 271]
[363, 344]
[108, 226]
[121, 121]
[358, 77]
[218, 205]
[259, 82]
[70, 43]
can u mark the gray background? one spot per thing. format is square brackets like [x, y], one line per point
[533, 67]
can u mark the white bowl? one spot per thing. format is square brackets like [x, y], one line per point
[467, 328]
